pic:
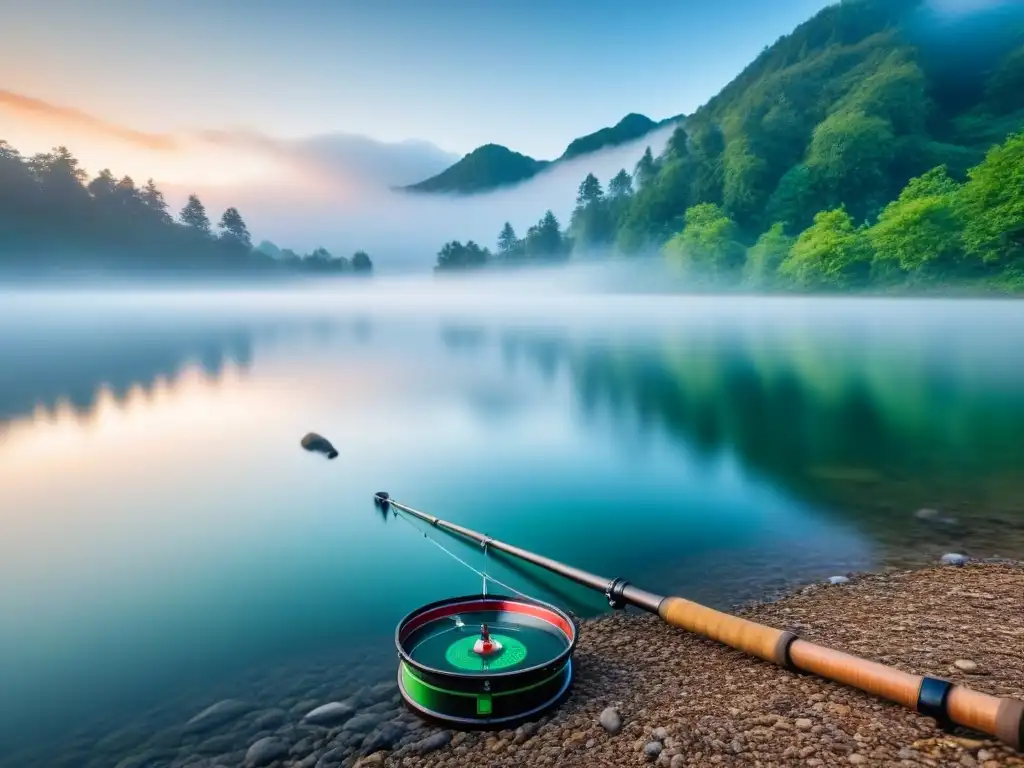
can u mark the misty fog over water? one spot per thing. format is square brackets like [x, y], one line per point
[404, 230]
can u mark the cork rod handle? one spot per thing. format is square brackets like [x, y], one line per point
[1001, 718]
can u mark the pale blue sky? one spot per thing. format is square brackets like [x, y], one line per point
[530, 74]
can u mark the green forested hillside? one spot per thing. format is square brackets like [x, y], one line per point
[493, 166]
[629, 128]
[52, 217]
[487, 167]
[797, 172]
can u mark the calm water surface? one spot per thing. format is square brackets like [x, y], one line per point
[165, 541]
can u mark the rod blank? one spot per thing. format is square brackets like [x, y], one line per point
[946, 702]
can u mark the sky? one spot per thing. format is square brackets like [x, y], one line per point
[529, 74]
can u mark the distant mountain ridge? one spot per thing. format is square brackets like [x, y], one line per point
[487, 167]
[493, 166]
[633, 126]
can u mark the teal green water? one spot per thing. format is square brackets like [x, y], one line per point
[165, 537]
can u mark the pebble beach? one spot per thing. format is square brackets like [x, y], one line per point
[647, 694]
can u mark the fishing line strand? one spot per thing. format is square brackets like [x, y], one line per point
[451, 554]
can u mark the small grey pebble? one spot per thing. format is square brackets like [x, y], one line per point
[611, 721]
[652, 749]
[659, 734]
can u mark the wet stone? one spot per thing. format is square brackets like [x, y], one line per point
[218, 714]
[332, 713]
[365, 722]
[385, 737]
[266, 751]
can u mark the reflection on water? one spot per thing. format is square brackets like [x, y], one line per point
[167, 543]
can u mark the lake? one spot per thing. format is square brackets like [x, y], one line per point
[167, 543]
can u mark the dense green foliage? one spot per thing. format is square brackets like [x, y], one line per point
[51, 218]
[487, 167]
[493, 166]
[629, 128]
[857, 152]
[545, 242]
[456, 256]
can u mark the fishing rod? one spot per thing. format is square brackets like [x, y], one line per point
[940, 699]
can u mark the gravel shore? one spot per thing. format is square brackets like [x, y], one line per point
[719, 707]
[648, 694]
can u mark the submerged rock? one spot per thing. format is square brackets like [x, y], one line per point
[952, 558]
[385, 737]
[219, 744]
[218, 714]
[383, 691]
[333, 757]
[838, 580]
[319, 444]
[364, 723]
[272, 718]
[266, 751]
[332, 713]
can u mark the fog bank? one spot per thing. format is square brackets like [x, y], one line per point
[403, 231]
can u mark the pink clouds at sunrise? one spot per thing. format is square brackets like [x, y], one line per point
[34, 125]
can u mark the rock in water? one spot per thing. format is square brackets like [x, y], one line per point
[330, 714]
[364, 723]
[953, 558]
[218, 714]
[611, 721]
[385, 737]
[266, 751]
[838, 580]
[319, 444]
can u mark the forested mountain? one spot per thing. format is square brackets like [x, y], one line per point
[493, 166]
[839, 157]
[53, 217]
[844, 111]
[487, 167]
[629, 128]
